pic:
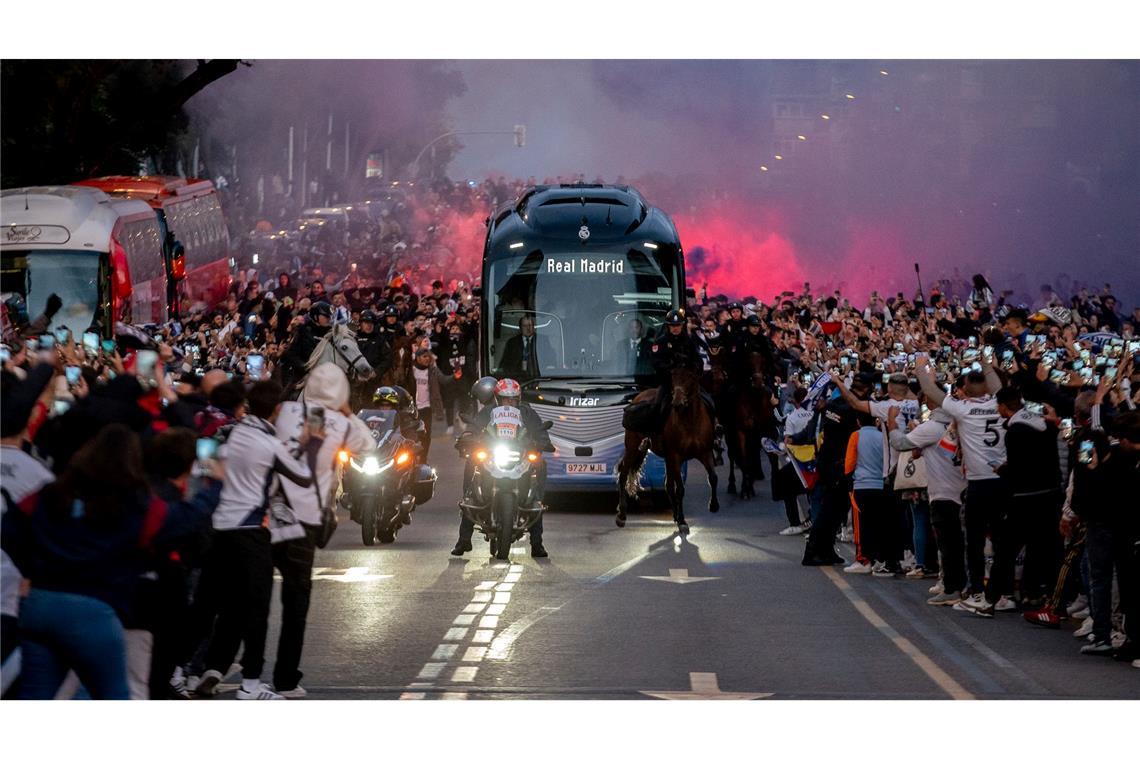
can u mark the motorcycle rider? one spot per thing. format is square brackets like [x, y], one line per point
[507, 392]
[400, 401]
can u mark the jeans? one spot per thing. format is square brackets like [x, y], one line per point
[1098, 549]
[946, 519]
[61, 632]
[925, 544]
[987, 502]
[243, 558]
[426, 415]
[294, 560]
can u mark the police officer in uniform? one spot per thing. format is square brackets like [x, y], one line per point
[752, 341]
[673, 348]
[734, 328]
[373, 347]
[306, 339]
[507, 392]
[392, 326]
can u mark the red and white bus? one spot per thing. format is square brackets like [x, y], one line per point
[101, 256]
[196, 243]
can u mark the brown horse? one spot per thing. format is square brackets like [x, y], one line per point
[687, 434]
[753, 417]
[401, 361]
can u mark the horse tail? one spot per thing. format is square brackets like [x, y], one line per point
[634, 470]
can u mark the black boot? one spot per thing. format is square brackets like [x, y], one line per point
[538, 551]
[461, 546]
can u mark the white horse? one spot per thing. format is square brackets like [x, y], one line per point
[339, 347]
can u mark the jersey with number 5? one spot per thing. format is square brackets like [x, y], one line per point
[981, 434]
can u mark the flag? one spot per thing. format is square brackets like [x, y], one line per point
[816, 389]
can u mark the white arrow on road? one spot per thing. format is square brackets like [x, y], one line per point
[704, 686]
[350, 575]
[678, 575]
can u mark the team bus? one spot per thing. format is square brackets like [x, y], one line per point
[196, 243]
[101, 256]
[575, 277]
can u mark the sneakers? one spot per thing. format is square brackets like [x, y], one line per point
[260, 692]
[179, 687]
[857, 568]
[943, 599]
[1081, 614]
[937, 588]
[885, 571]
[976, 604]
[846, 535]
[920, 572]
[297, 692]
[1084, 630]
[1080, 603]
[793, 530]
[208, 685]
[909, 561]
[1044, 617]
[1005, 604]
[1097, 647]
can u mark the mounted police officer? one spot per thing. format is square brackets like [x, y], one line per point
[734, 328]
[373, 347]
[391, 326]
[305, 340]
[674, 348]
[751, 342]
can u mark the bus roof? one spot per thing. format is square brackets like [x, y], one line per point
[56, 217]
[132, 209]
[605, 214]
[155, 190]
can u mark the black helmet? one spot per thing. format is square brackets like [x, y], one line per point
[675, 317]
[736, 305]
[368, 316]
[753, 321]
[386, 395]
[407, 403]
[483, 389]
[392, 311]
[320, 309]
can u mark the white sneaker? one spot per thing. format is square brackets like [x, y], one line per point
[178, 684]
[857, 568]
[793, 530]
[1084, 630]
[1005, 604]
[298, 692]
[878, 565]
[1136, 663]
[208, 685]
[976, 604]
[937, 588]
[917, 572]
[1082, 614]
[262, 692]
[1080, 603]
[942, 599]
[846, 535]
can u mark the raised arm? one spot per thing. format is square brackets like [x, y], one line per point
[856, 403]
[934, 395]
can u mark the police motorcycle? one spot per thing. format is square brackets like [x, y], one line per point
[501, 497]
[383, 488]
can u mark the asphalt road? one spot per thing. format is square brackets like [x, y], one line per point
[626, 613]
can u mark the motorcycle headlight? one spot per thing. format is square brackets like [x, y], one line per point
[505, 456]
[371, 466]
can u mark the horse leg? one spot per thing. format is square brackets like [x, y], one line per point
[746, 490]
[675, 487]
[623, 498]
[710, 468]
[731, 490]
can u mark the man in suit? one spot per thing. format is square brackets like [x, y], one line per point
[527, 353]
[631, 353]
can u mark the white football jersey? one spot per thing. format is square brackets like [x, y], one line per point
[981, 434]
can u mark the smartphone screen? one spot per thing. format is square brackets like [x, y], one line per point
[90, 342]
[145, 361]
[1035, 407]
[47, 341]
[73, 374]
[1084, 454]
[108, 346]
[207, 449]
[254, 365]
[5, 354]
[988, 351]
[62, 335]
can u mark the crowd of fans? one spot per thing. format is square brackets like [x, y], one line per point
[963, 432]
[965, 439]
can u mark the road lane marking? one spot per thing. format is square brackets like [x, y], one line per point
[410, 694]
[455, 634]
[941, 678]
[445, 651]
[474, 609]
[464, 674]
[505, 586]
[705, 686]
[475, 654]
[495, 609]
[502, 597]
[489, 621]
[453, 695]
[483, 636]
[432, 670]
[614, 572]
[464, 620]
[482, 596]
[678, 575]
[485, 586]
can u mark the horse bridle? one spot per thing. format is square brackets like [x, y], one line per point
[350, 362]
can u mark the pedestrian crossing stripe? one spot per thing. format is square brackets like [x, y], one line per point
[344, 574]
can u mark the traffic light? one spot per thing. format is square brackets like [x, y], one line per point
[520, 135]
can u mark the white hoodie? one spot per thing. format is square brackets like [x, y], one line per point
[327, 387]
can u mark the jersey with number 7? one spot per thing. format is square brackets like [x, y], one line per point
[981, 434]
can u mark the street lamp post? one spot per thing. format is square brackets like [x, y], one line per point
[519, 132]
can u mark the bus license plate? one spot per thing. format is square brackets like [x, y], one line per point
[589, 468]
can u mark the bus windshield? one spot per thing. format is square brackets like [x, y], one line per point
[71, 275]
[576, 314]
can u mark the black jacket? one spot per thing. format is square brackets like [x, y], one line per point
[542, 355]
[1032, 464]
[669, 352]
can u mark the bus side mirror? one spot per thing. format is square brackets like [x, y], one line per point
[548, 424]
